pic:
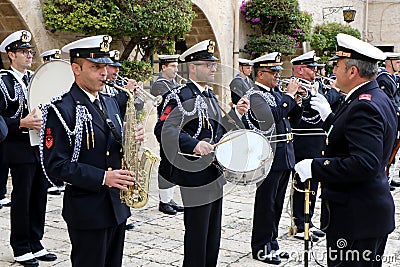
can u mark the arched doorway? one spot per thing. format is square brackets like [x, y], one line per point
[11, 21]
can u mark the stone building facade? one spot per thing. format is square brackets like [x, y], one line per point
[220, 20]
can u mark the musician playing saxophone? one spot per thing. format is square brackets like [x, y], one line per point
[81, 144]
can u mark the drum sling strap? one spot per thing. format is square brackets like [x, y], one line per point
[109, 122]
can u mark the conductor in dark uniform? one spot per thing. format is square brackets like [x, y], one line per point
[28, 196]
[357, 209]
[82, 146]
[183, 133]
[271, 191]
[242, 82]
[309, 138]
[166, 83]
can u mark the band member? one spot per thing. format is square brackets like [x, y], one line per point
[50, 55]
[387, 82]
[355, 192]
[90, 162]
[29, 184]
[130, 84]
[309, 139]
[189, 124]
[270, 192]
[166, 83]
[241, 83]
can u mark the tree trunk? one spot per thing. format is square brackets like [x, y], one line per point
[133, 42]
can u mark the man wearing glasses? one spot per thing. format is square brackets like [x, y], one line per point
[29, 184]
[188, 127]
[309, 139]
[270, 192]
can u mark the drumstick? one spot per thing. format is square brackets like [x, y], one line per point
[228, 139]
[190, 155]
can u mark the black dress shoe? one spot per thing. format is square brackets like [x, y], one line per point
[300, 235]
[394, 183]
[269, 259]
[392, 188]
[175, 206]
[47, 257]
[29, 263]
[317, 232]
[129, 226]
[283, 255]
[166, 208]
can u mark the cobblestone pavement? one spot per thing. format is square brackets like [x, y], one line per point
[157, 239]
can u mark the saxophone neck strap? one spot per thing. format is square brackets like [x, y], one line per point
[110, 124]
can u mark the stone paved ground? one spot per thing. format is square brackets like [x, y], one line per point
[157, 238]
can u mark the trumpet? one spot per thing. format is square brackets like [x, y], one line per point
[143, 94]
[181, 79]
[311, 89]
[325, 78]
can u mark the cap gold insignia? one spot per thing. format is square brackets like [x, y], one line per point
[25, 37]
[57, 55]
[315, 58]
[210, 47]
[116, 55]
[278, 58]
[105, 45]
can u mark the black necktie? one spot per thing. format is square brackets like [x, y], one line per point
[97, 103]
[205, 93]
[25, 80]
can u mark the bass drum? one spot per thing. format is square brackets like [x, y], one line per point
[245, 156]
[49, 80]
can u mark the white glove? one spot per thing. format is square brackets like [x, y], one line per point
[303, 168]
[320, 104]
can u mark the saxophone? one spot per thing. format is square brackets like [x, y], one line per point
[137, 194]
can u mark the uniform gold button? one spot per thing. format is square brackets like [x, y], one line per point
[327, 162]
[109, 169]
[108, 153]
[120, 150]
[285, 105]
[323, 153]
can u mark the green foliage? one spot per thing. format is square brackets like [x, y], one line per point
[89, 17]
[329, 31]
[148, 25]
[281, 25]
[138, 70]
[259, 45]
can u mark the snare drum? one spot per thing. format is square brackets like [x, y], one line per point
[245, 156]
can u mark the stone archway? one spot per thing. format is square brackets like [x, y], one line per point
[11, 21]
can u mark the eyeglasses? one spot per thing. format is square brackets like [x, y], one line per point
[209, 65]
[27, 52]
[310, 67]
[273, 72]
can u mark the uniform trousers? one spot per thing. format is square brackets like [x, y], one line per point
[355, 253]
[28, 208]
[97, 247]
[3, 173]
[270, 195]
[202, 234]
[298, 202]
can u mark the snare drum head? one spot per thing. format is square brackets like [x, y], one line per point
[246, 151]
[50, 79]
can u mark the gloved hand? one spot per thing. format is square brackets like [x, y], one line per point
[320, 104]
[303, 168]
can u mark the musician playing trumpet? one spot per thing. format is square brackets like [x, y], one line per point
[165, 83]
[309, 139]
[268, 107]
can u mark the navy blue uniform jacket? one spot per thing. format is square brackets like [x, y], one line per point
[87, 203]
[189, 171]
[352, 175]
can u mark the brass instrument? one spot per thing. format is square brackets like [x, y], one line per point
[311, 89]
[324, 79]
[137, 194]
[143, 94]
[181, 79]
